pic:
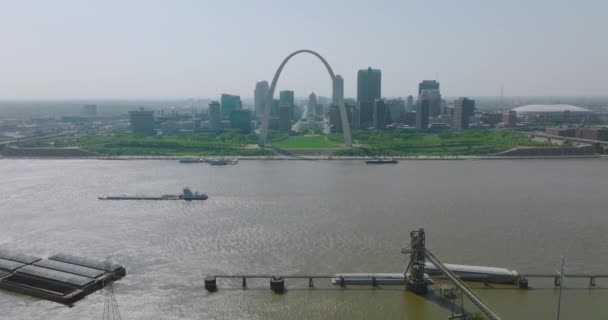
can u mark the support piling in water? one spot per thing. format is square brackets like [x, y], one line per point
[277, 284]
[211, 284]
[522, 283]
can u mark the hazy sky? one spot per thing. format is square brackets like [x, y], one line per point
[171, 49]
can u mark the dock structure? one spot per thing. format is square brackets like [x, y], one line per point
[60, 278]
[421, 269]
[415, 270]
[557, 277]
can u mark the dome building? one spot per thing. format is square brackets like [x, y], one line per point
[554, 113]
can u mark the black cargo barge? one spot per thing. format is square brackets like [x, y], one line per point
[381, 161]
[60, 278]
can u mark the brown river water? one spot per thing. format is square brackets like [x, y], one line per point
[309, 217]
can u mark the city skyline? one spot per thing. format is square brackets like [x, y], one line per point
[141, 50]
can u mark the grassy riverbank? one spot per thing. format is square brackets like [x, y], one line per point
[400, 142]
[407, 142]
[227, 144]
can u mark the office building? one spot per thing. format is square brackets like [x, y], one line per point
[241, 120]
[230, 103]
[430, 85]
[142, 121]
[259, 97]
[369, 85]
[409, 118]
[338, 90]
[409, 104]
[286, 99]
[215, 116]
[379, 114]
[395, 110]
[433, 97]
[311, 106]
[422, 114]
[356, 117]
[284, 119]
[464, 109]
[366, 114]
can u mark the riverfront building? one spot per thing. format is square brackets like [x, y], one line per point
[142, 121]
[369, 85]
[433, 98]
[395, 110]
[259, 97]
[410, 103]
[241, 119]
[284, 119]
[431, 85]
[286, 99]
[379, 114]
[215, 116]
[422, 115]
[230, 103]
[463, 110]
[366, 114]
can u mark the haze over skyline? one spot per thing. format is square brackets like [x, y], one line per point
[67, 49]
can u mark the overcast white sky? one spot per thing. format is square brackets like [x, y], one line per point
[200, 48]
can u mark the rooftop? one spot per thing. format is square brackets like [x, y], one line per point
[549, 108]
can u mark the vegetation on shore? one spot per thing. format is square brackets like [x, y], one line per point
[398, 142]
[410, 142]
[309, 141]
[229, 143]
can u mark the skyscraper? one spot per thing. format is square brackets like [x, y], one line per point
[369, 85]
[259, 97]
[366, 114]
[422, 114]
[433, 97]
[241, 119]
[284, 119]
[379, 117]
[286, 98]
[463, 110]
[338, 90]
[395, 109]
[410, 103]
[142, 121]
[427, 85]
[312, 106]
[215, 116]
[230, 103]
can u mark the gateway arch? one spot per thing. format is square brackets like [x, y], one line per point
[270, 95]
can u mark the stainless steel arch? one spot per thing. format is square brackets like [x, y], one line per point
[269, 97]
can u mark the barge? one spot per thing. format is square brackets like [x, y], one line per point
[61, 278]
[192, 160]
[186, 194]
[464, 272]
[381, 161]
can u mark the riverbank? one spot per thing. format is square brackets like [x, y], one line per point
[318, 158]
